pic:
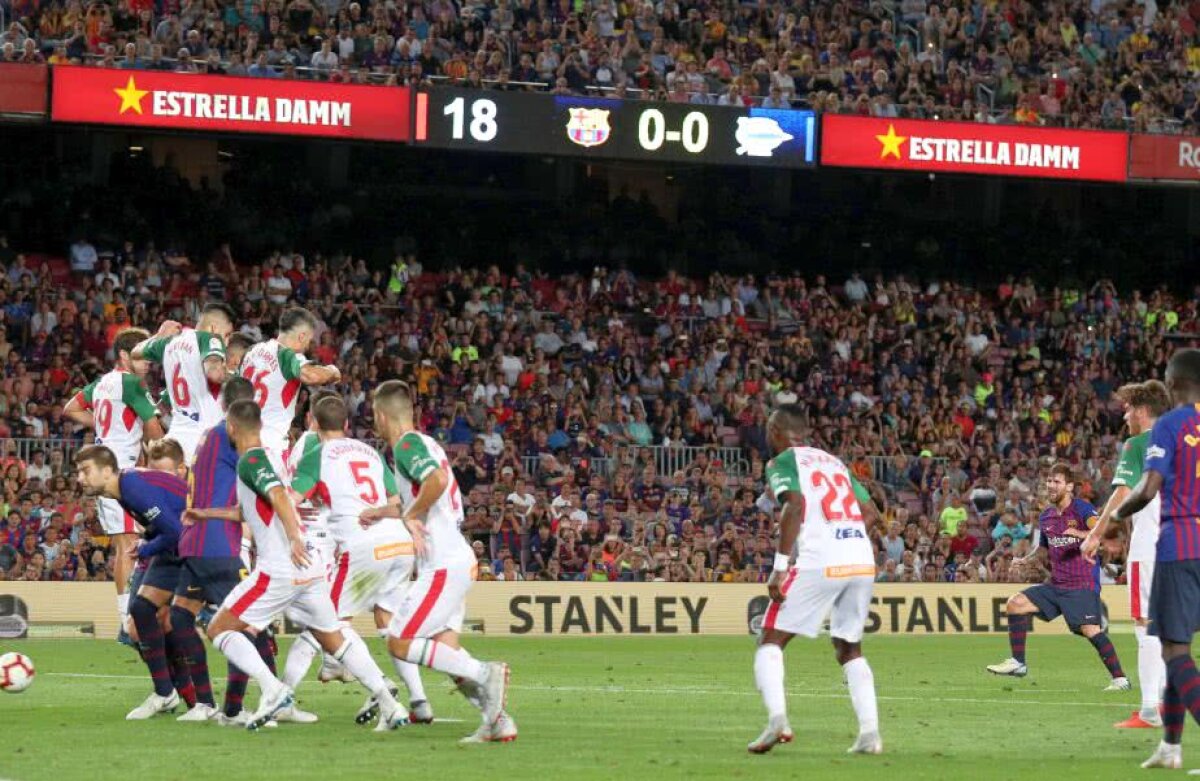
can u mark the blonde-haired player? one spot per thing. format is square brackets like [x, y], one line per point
[425, 627]
[119, 409]
[823, 521]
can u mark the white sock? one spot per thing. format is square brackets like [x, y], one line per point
[1152, 672]
[768, 675]
[123, 605]
[240, 651]
[300, 658]
[358, 661]
[861, 682]
[411, 675]
[443, 658]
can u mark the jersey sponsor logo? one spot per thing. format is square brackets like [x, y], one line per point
[1062, 540]
[393, 550]
[850, 571]
[849, 534]
[1154, 451]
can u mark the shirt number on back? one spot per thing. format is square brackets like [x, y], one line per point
[104, 416]
[258, 380]
[838, 503]
[359, 470]
[179, 389]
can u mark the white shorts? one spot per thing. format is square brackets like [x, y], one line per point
[258, 599]
[113, 518]
[1141, 577]
[374, 570]
[188, 438]
[811, 596]
[434, 603]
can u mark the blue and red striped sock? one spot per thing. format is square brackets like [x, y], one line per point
[151, 643]
[1173, 715]
[182, 680]
[185, 643]
[1018, 627]
[266, 649]
[1183, 677]
[235, 691]
[1108, 654]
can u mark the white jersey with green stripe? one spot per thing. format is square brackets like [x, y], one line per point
[307, 442]
[417, 457]
[833, 536]
[274, 370]
[194, 404]
[347, 477]
[120, 405]
[258, 474]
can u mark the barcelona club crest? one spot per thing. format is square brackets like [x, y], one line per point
[588, 126]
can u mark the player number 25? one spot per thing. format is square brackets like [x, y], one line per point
[838, 491]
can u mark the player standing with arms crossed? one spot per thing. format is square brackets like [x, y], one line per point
[1144, 403]
[374, 565]
[193, 362]
[425, 627]
[119, 409]
[1074, 588]
[285, 578]
[277, 368]
[1172, 471]
[834, 573]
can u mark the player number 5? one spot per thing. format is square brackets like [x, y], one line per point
[361, 478]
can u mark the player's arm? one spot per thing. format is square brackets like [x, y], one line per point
[152, 349]
[257, 472]
[1159, 457]
[871, 515]
[167, 529]
[136, 397]
[194, 515]
[784, 481]
[293, 367]
[1035, 544]
[1141, 495]
[79, 408]
[212, 352]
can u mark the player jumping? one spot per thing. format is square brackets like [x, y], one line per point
[1172, 471]
[425, 627]
[833, 576]
[1144, 403]
[157, 501]
[121, 412]
[193, 362]
[1074, 588]
[285, 578]
[374, 565]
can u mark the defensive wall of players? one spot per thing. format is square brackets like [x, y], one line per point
[583, 126]
[545, 609]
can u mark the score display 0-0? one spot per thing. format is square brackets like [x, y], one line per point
[603, 128]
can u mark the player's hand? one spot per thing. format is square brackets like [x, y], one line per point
[370, 517]
[417, 529]
[191, 517]
[337, 373]
[170, 328]
[300, 553]
[775, 586]
[1090, 545]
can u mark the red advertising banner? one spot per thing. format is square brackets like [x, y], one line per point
[1165, 157]
[230, 104]
[973, 148]
[23, 89]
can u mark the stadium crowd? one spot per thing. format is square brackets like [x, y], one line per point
[558, 398]
[1104, 63]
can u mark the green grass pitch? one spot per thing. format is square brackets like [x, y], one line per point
[610, 708]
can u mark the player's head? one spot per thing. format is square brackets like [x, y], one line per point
[393, 404]
[216, 318]
[234, 390]
[1144, 402]
[166, 455]
[96, 468]
[316, 398]
[243, 419]
[787, 427]
[1183, 376]
[1060, 482]
[330, 414]
[235, 350]
[296, 328]
[123, 348]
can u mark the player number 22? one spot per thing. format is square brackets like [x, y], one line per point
[838, 491]
[359, 470]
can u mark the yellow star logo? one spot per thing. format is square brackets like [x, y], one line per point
[131, 97]
[891, 143]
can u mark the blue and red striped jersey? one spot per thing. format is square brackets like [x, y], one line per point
[1174, 452]
[213, 485]
[1068, 568]
[156, 500]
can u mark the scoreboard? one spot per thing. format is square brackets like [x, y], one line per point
[611, 129]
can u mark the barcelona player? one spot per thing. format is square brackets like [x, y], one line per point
[1172, 473]
[1074, 588]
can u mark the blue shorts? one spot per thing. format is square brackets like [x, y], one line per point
[209, 579]
[1077, 606]
[163, 572]
[1175, 600]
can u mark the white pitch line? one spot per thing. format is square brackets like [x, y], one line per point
[818, 693]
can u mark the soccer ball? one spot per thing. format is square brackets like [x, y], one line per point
[16, 672]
